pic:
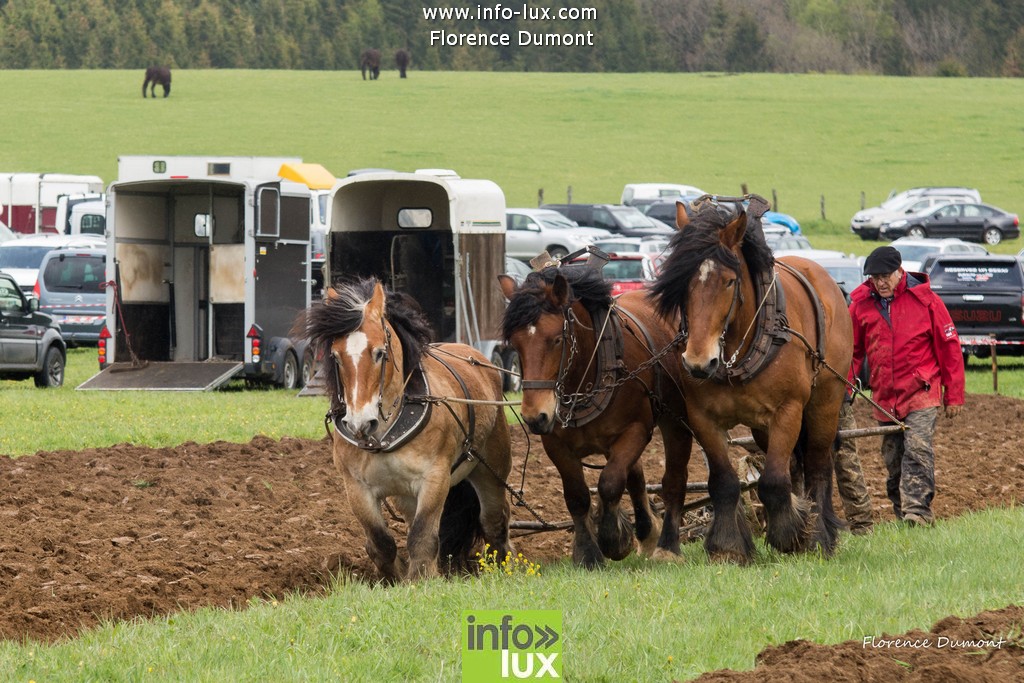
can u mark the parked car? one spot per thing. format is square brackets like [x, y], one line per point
[635, 194]
[983, 295]
[868, 223]
[529, 232]
[663, 210]
[30, 342]
[21, 258]
[789, 244]
[976, 222]
[915, 251]
[616, 218]
[623, 245]
[847, 271]
[70, 289]
[516, 269]
[629, 271]
[783, 219]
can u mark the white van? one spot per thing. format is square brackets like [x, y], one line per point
[21, 258]
[645, 193]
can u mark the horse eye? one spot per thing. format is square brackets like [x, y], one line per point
[731, 283]
[378, 355]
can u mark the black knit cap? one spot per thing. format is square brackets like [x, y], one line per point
[883, 261]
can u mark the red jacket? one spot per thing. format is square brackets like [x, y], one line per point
[916, 361]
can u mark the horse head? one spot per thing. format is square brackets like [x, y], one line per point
[367, 360]
[542, 323]
[706, 279]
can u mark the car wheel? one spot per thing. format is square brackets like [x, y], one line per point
[558, 252]
[52, 374]
[290, 372]
[917, 232]
[513, 378]
[993, 236]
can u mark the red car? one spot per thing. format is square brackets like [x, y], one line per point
[631, 270]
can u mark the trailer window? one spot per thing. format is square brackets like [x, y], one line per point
[415, 218]
[268, 210]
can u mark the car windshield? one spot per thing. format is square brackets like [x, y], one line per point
[12, 256]
[914, 252]
[614, 247]
[556, 222]
[626, 269]
[74, 273]
[948, 274]
[629, 217]
[848, 277]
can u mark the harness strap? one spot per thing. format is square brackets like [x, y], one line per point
[467, 444]
[819, 311]
[584, 408]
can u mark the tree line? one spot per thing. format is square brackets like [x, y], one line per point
[896, 37]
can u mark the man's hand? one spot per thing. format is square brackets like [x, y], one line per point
[953, 411]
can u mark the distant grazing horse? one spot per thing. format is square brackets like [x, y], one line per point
[592, 384]
[157, 75]
[369, 60]
[442, 461]
[402, 61]
[768, 344]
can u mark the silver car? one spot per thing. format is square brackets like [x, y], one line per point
[531, 231]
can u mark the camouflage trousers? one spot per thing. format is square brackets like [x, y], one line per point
[910, 461]
[850, 478]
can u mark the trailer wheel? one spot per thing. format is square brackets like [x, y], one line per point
[52, 374]
[308, 368]
[290, 372]
[513, 380]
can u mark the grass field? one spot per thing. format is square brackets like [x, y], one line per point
[804, 136]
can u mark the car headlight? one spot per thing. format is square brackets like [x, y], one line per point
[897, 224]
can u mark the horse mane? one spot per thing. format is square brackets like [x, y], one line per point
[700, 241]
[586, 285]
[343, 314]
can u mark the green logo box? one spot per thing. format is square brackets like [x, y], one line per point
[509, 645]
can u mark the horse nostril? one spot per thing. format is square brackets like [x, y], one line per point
[712, 366]
[371, 426]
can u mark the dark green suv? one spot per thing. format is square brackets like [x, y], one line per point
[30, 342]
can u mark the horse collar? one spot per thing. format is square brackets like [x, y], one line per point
[411, 416]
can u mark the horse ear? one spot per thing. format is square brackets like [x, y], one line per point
[508, 286]
[375, 307]
[331, 293]
[559, 295]
[682, 218]
[733, 233]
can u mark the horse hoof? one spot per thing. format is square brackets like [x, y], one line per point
[728, 557]
[662, 555]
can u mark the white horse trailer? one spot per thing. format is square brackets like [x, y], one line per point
[431, 234]
[209, 276]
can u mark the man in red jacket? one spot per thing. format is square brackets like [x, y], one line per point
[904, 331]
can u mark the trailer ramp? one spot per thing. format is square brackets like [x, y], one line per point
[163, 376]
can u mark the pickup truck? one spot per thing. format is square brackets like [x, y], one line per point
[985, 297]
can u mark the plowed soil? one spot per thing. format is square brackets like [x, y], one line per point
[125, 531]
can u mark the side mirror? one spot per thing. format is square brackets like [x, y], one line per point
[33, 303]
[203, 224]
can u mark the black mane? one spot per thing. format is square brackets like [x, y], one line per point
[341, 315]
[698, 242]
[586, 285]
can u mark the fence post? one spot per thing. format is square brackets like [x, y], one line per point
[568, 195]
[995, 367]
[862, 200]
[775, 200]
[823, 208]
[743, 189]
[540, 197]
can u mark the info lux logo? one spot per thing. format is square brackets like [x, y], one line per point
[503, 645]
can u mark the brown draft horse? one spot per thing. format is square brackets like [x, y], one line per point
[402, 58]
[369, 61]
[157, 75]
[442, 463]
[791, 402]
[554, 321]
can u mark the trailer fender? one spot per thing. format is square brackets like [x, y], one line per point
[286, 354]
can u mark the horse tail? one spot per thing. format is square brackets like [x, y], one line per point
[460, 529]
